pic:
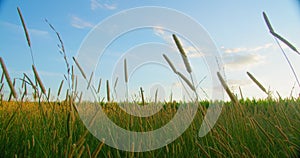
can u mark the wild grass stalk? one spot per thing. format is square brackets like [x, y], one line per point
[258, 83]
[183, 54]
[142, 95]
[26, 33]
[107, 91]
[126, 80]
[187, 66]
[90, 80]
[241, 93]
[277, 36]
[79, 67]
[60, 88]
[228, 91]
[115, 87]
[97, 150]
[2, 77]
[186, 81]
[170, 63]
[38, 79]
[63, 52]
[6, 74]
[99, 85]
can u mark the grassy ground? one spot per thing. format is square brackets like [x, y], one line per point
[257, 128]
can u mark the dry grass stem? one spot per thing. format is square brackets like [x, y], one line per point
[142, 95]
[257, 83]
[99, 85]
[186, 81]
[285, 42]
[125, 71]
[170, 63]
[6, 74]
[97, 150]
[60, 88]
[268, 22]
[80, 69]
[37, 77]
[183, 54]
[228, 91]
[24, 27]
[90, 80]
[107, 91]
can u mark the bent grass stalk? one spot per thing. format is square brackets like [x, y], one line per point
[228, 91]
[126, 80]
[26, 33]
[186, 81]
[90, 80]
[170, 63]
[183, 54]
[186, 63]
[38, 79]
[99, 85]
[258, 83]
[277, 36]
[6, 74]
[79, 67]
[60, 88]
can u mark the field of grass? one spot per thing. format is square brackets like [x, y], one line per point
[257, 128]
[37, 127]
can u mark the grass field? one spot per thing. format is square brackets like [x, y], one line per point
[258, 128]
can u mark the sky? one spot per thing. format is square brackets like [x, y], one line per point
[236, 27]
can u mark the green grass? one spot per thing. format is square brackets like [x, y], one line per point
[257, 128]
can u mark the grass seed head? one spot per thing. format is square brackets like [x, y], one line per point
[6, 74]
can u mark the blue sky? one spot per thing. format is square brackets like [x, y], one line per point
[237, 28]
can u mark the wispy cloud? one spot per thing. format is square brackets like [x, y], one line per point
[18, 28]
[80, 23]
[104, 4]
[190, 50]
[238, 82]
[244, 49]
[242, 61]
[242, 57]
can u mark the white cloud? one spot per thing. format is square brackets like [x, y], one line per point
[80, 23]
[236, 83]
[242, 57]
[244, 49]
[242, 61]
[95, 4]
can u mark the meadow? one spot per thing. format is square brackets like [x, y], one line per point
[40, 127]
